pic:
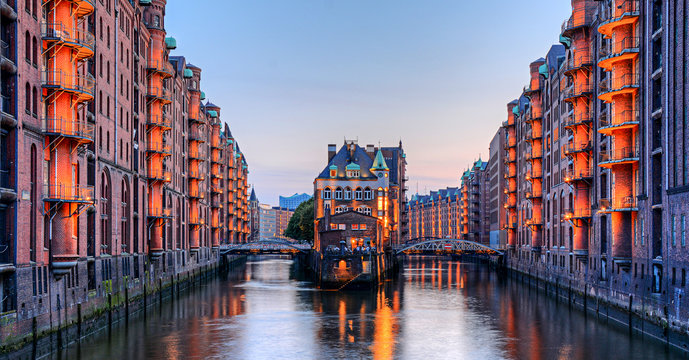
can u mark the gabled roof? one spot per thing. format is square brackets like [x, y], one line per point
[343, 158]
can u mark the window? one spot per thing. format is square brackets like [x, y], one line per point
[357, 194]
[683, 229]
[326, 194]
[27, 44]
[355, 226]
[348, 193]
[338, 193]
[34, 100]
[35, 52]
[368, 194]
[673, 228]
[352, 173]
[333, 226]
[27, 98]
[362, 226]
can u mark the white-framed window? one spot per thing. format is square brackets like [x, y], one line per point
[348, 193]
[341, 209]
[358, 193]
[353, 173]
[326, 194]
[338, 193]
[368, 194]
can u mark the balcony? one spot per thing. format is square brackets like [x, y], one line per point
[532, 174]
[196, 175]
[579, 20]
[81, 131]
[196, 194]
[68, 193]
[577, 214]
[625, 203]
[572, 175]
[571, 120]
[531, 195]
[158, 94]
[82, 41]
[82, 86]
[532, 135]
[624, 49]
[576, 147]
[216, 157]
[160, 121]
[159, 175]
[216, 190]
[163, 68]
[533, 222]
[576, 91]
[216, 175]
[195, 155]
[7, 62]
[578, 62]
[627, 155]
[196, 135]
[534, 154]
[618, 85]
[624, 12]
[216, 203]
[159, 148]
[620, 120]
[159, 213]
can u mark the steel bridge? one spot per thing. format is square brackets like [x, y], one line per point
[269, 246]
[445, 246]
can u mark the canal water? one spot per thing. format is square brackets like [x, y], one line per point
[436, 309]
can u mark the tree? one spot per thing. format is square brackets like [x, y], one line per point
[300, 226]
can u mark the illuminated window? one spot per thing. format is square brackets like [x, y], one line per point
[362, 226]
[355, 226]
[333, 173]
[368, 194]
[333, 226]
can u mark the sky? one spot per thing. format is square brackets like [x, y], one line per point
[292, 76]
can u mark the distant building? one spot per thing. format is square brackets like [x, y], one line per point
[369, 181]
[475, 217]
[254, 217]
[435, 215]
[496, 169]
[292, 202]
[273, 221]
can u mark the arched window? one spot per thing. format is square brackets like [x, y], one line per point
[35, 51]
[358, 193]
[34, 99]
[27, 98]
[27, 45]
[368, 194]
[348, 193]
[326, 194]
[338, 193]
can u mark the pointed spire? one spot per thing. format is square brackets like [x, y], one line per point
[379, 162]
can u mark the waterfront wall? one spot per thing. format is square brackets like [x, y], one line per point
[34, 333]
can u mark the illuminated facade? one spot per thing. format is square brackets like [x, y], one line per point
[114, 174]
[597, 174]
[436, 215]
[370, 181]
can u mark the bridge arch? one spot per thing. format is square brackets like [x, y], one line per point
[448, 245]
[268, 245]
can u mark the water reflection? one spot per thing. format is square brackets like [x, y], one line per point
[438, 309]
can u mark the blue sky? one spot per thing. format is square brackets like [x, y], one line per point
[292, 76]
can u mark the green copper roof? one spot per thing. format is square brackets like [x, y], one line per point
[333, 167]
[145, 2]
[543, 70]
[203, 95]
[353, 166]
[188, 73]
[170, 43]
[379, 162]
[567, 42]
[213, 113]
[515, 110]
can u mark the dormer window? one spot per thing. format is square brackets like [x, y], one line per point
[333, 173]
[353, 170]
[353, 173]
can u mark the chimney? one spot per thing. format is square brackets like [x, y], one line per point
[370, 151]
[332, 149]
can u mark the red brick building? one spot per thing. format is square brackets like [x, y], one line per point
[114, 172]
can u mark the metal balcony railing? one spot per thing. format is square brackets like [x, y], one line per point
[571, 119]
[156, 212]
[74, 83]
[618, 203]
[158, 93]
[625, 154]
[578, 19]
[196, 194]
[534, 195]
[579, 174]
[216, 189]
[158, 120]
[577, 90]
[577, 214]
[574, 147]
[158, 147]
[620, 118]
[619, 47]
[160, 66]
[579, 61]
[196, 175]
[67, 34]
[159, 174]
[533, 154]
[619, 83]
[68, 193]
[69, 128]
[621, 9]
[196, 135]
